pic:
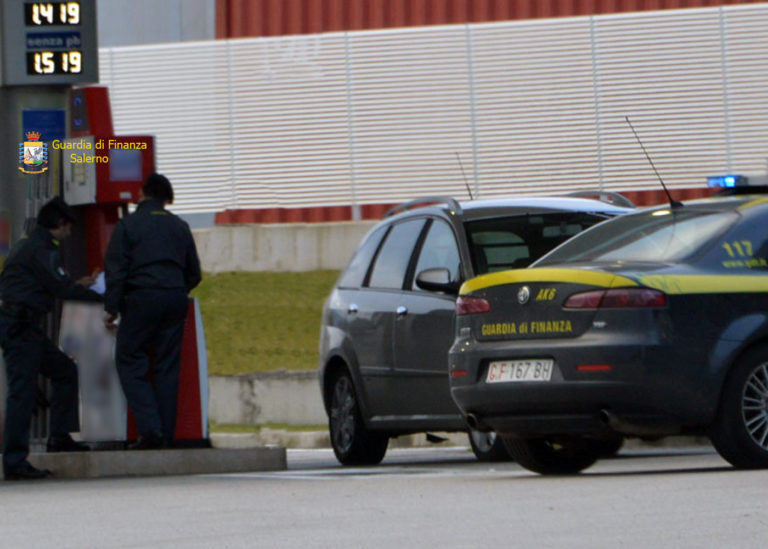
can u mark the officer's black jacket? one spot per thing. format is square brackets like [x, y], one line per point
[150, 248]
[33, 277]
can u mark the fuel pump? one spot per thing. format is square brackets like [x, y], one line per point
[102, 173]
[58, 139]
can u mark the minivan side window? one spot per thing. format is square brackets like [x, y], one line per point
[439, 250]
[355, 272]
[395, 254]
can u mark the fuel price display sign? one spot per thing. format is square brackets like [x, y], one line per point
[49, 43]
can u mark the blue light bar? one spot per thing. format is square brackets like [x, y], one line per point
[727, 181]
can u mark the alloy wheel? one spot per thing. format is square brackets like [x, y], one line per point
[754, 405]
[343, 414]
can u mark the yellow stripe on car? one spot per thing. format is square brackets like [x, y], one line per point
[751, 203]
[573, 276]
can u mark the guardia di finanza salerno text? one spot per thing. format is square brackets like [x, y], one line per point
[84, 147]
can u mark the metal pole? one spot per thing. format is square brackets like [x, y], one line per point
[356, 213]
[596, 95]
[472, 109]
[726, 96]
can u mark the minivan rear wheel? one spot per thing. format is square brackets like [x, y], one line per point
[352, 443]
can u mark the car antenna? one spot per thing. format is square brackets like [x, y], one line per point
[469, 191]
[672, 202]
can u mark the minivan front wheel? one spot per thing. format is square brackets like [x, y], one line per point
[352, 443]
[740, 432]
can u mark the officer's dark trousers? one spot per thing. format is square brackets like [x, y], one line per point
[151, 322]
[28, 352]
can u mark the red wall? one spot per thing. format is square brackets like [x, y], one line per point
[249, 18]
[377, 211]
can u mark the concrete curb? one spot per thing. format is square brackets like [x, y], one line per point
[100, 464]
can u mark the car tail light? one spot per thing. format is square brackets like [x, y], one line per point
[584, 300]
[471, 306]
[617, 298]
[594, 368]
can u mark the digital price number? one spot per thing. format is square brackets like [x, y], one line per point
[52, 13]
[54, 62]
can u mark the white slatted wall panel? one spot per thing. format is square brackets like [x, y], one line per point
[379, 116]
[535, 106]
[664, 71]
[410, 112]
[290, 122]
[747, 93]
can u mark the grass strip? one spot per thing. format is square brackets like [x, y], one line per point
[262, 321]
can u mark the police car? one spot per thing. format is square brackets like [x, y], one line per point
[650, 324]
[389, 321]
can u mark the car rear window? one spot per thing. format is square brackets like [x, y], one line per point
[514, 242]
[655, 236]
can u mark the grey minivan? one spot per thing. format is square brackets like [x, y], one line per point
[389, 321]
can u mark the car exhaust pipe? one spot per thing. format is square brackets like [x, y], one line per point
[474, 422]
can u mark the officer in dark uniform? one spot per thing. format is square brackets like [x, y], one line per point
[31, 279]
[150, 267]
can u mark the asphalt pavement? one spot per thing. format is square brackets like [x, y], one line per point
[417, 498]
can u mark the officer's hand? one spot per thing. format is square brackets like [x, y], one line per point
[110, 321]
[89, 281]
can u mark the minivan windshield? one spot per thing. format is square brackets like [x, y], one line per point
[654, 236]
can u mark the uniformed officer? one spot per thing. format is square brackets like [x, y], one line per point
[150, 267]
[31, 279]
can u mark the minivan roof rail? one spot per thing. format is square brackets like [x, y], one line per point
[426, 201]
[608, 197]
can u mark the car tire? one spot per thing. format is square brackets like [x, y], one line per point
[560, 456]
[740, 430]
[608, 447]
[488, 447]
[352, 443]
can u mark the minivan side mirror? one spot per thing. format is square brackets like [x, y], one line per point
[437, 280]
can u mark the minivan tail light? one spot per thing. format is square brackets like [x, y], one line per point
[471, 305]
[617, 298]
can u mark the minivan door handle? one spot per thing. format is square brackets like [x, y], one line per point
[401, 310]
[352, 308]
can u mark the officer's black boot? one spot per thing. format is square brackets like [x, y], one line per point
[65, 443]
[150, 441]
[26, 471]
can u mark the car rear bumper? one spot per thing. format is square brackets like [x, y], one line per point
[642, 389]
[596, 409]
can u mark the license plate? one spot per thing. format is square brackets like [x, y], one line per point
[532, 369]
